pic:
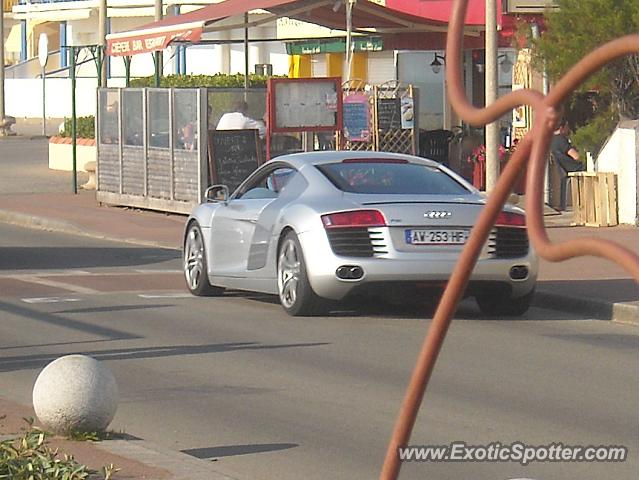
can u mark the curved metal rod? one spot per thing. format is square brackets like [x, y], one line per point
[532, 148]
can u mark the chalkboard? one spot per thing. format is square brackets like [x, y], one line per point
[389, 113]
[233, 155]
[356, 118]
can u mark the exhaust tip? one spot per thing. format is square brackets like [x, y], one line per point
[349, 272]
[519, 272]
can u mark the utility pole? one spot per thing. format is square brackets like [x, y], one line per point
[492, 129]
[102, 31]
[3, 130]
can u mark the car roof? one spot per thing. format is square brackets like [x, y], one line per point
[331, 156]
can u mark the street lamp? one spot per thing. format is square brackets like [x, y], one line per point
[436, 65]
[505, 64]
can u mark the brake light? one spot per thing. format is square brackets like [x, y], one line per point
[509, 219]
[355, 218]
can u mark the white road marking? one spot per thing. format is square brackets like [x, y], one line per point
[49, 300]
[165, 295]
[56, 284]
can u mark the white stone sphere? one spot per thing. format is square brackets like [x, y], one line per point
[75, 393]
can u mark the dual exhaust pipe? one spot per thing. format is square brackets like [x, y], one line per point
[355, 272]
[349, 272]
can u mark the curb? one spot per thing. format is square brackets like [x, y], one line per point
[180, 465]
[618, 312]
[63, 226]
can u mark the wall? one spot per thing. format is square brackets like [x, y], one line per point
[23, 97]
[619, 155]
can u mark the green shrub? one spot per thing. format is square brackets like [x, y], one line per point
[30, 458]
[219, 80]
[85, 127]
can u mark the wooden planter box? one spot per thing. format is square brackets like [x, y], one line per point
[61, 153]
[594, 198]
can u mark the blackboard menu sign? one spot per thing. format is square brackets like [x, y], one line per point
[356, 118]
[389, 113]
[233, 155]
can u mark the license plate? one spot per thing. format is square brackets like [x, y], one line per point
[436, 237]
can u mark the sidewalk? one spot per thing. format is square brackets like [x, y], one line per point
[137, 459]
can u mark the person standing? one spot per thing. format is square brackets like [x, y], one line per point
[567, 158]
[238, 119]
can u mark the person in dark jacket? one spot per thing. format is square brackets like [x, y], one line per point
[566, 156]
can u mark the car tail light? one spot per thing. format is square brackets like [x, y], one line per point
[354, 218]
[509, 219]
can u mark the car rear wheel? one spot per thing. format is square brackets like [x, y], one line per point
[195, 265]
[496, 305]
[296, 294]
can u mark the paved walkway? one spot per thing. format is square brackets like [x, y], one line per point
[589, 286]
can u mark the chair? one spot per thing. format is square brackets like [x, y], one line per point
[433, 144]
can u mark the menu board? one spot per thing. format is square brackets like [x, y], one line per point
[304, 104]
[233, 156]
[356, 118]
[389, 113]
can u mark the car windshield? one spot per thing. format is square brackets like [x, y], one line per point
[390, 177]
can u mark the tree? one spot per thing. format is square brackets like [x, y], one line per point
[573, 30]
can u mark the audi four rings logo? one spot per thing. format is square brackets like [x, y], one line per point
[433, 214]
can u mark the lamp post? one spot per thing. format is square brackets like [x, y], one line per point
[3, 130]
[158, 55]
[349, 37]
[102, 30]
[492, 129]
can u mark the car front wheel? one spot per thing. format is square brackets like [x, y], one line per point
[495, 305]
[195, 264]
[295, 292]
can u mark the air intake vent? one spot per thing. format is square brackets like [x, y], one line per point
[507, 242]
[357, 242]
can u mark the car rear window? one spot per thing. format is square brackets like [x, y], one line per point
[391, 177]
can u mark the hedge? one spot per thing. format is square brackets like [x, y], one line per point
[219, 80]
[85, 127]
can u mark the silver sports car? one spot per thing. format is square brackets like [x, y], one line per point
[315, 228]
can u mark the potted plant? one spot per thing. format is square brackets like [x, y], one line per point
[477, 161]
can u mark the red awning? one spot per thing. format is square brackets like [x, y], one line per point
[440, 10]
[367, 17]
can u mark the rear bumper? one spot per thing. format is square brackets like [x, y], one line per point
[394, 267]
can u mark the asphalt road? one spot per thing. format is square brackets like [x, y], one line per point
[236, 381]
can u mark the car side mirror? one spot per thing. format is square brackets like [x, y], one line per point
[217, 193]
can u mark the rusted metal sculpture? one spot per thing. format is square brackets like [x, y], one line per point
[534, 149]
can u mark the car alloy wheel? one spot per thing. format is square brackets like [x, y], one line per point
[194, 258]
[195, 265]
[288, 275]
[296, 294]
